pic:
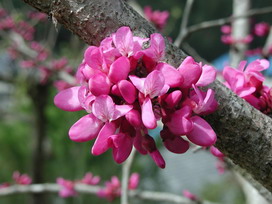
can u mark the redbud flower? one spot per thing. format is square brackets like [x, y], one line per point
[67, 188]
[21, 179]
[189, 195]
[158, 18]
[261, 29]
[125, 89]
[89, 179]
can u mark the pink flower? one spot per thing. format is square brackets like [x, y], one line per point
[67, 188]
[21, 179]
[125, 89]
[189, 195]
[133, 181]
[216, 152]
[89, 179]
[261, 29]
[226, 29]
[158, 18]
[151, 86]
[112, 189]
[4, 185]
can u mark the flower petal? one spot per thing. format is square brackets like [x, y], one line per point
[148, 116]
[119, 69]
[138, 82]
[99, 84]
[123, 41]
[101, 144]
[207, 76]
[85, 129]
[171, 75]
[176, 145]
[180, 122]
[121, 110]
[122, 146]
[202, 133]
[154, 83]
[103, 108]
[128, 91]
[68, 99]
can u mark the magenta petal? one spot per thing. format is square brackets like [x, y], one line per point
[123, 41]
[158, 159]
[128, 91]
[156, 50]
[216, 152]
[122, 146]
[103, 108]
[101, 144]
[190, 71]
[137, 143]
[85, 129]
[176, 145]
[180, 123]
[207, 76]
[119, 69]
[154, 84]
[134, 118]
[68, 99]
[138, 82]
[202, 133]
[171, 75]
[173, 98]
[148, 116]
[121, 110]
[99, 84]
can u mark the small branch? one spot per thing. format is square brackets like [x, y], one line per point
[222, 21]
[82, 188]
[125, 177]
[268, 44]
[184, 22]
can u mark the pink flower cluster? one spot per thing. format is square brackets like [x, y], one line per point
[68, 187]
[21, 179]
[226, 38]
[41, 61]
[18, 178]
[158, 18]
[126, 89]
[260, 29]
[112, 188]
[247, 82]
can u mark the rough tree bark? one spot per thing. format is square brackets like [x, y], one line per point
[244, 134]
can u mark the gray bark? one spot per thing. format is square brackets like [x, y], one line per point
[244, 134]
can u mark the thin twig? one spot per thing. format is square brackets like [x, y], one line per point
[184, 21]
[268, 44]
[82, 188]
[222, 21]
[125, 177]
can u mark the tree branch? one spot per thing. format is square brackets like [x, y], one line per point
[82, 188]
[244, 133]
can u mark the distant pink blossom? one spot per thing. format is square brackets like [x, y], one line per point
[158, 18]
[216, 152]
[261, 29]
[226, 29]
[21, 179]
[189, 195]
[4, 185]
[89, 179]
[67, 188]
[133, 181]
[112, 189]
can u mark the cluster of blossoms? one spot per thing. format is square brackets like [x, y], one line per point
[110, 191]
[40, 61]
[68, 187]
[126, 89]
[260, 30]
[20, 179]
[157, 18]
[247, 82]
[112, 188]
